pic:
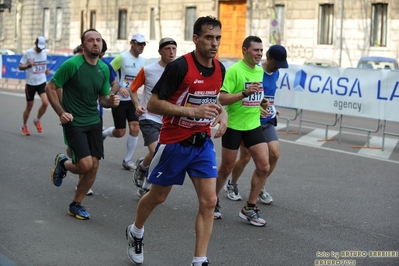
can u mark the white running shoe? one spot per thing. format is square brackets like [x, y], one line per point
[135, 250]
[265, 197]
[232, 191]
[128, 165]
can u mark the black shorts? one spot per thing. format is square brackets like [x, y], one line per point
[30, 91]
[232, 138]
[124, 111]
[84, 141]
[150, 131]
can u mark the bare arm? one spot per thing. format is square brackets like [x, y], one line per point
[228, 98]
[114, 86]
[162, 107]
[54, 97]
[135, 98]
[109, 100]
[30, 63]
[221, 119]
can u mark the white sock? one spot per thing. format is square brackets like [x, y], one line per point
[146, 185]
[35, 120]
[137, 232]
[197, 261]
[131, 144]
[108, 132]
[144, 168]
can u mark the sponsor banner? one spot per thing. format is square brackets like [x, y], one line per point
[10, 65]
[366, 93]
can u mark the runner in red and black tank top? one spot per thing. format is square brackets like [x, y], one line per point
[194, 87]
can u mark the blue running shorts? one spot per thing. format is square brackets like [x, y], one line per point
[171, 162]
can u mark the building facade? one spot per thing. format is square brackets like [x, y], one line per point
[335, 30]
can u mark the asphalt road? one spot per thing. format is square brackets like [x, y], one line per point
[327, 204]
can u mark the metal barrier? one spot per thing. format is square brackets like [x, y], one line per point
[385, 132]
[368, 130]
[8, 84]
[330, 121]
[333, 123]
[289, 119]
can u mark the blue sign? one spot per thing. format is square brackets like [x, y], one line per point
[11, 62]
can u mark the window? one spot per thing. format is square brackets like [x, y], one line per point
[379, 25]
[277, 25]
[326, 20]
[122, 24]
[92, 19]
[1, 25]
[58, 23]
[152, 24]
[190, 20]
[82, 22]
[46, 23]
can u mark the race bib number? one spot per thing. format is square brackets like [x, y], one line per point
[39, 68]
[127, 81]
[194, 101]
[271, 109]
[253, 100]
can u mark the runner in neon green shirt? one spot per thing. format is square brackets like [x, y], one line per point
[242, 93]
[238, 78]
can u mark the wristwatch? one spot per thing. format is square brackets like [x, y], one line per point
[244, 93]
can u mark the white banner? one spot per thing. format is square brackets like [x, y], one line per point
[367, 93]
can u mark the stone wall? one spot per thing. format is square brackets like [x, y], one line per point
[300, 25]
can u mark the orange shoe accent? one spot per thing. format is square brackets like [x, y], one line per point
[25, 130]
[38, 126]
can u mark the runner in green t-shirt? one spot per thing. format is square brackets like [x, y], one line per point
[242, 93]
[84, 79]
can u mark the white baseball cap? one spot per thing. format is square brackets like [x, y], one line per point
[41, 42]
[138, 37]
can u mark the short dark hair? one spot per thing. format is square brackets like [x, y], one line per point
[247, 42]
[209, 21]
[104, 46]
[82, 39]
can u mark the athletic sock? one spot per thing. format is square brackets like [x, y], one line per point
[131, 144]
[136, 232]
[197, 261]
[146, 185]
[62, 163]
[74, 203]
[144, 168]
[108, 132]
[250, 206]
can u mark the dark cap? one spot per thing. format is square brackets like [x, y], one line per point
[166, 41]
[279, 55]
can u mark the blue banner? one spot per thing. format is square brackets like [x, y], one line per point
[10, 65]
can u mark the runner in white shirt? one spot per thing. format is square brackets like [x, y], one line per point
[150, 123]
[127, 65]
[34, 61]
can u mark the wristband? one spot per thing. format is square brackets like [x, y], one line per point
[244, 93]
[29, 65]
